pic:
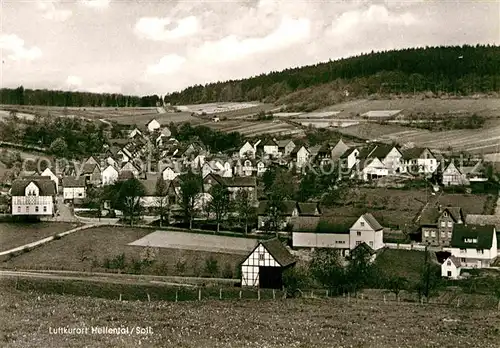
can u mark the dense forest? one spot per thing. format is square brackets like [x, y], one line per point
[461, 70]
[21, 96]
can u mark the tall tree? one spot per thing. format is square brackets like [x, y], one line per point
[162, 203]
[219, 203]
[129, 198]
[191, 187]
[244, 206]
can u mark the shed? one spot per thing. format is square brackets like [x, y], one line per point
[265, 264]
[451, 267]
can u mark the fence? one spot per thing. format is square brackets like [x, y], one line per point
[405, 246]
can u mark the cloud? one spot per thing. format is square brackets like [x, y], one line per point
[230, 48]
[354, 21]
[17, 49]
[74, 81]
[104, 88]
[155, 28]
[52, 13]
[97, 4]
[167, 65]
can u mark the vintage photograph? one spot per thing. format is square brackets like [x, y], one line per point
[249, 173]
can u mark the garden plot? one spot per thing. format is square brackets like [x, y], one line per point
[198, 242]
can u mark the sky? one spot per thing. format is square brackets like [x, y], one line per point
[156, 47]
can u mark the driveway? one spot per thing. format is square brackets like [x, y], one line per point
[65, 213]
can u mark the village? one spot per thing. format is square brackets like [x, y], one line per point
[183, 184]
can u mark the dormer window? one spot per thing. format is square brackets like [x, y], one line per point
[445, 214]
[470, 240]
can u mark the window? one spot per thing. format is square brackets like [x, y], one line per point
[80, 194]
[470, 240]
[433, 234]
[426, 233]
[443, 234]
[358, 233]
[358, 242]
[449, 273]
[449, 234]
[480, 251]
[36, 209]
[450, 224]
[261, 257]
[462, 259]
[463, 251]
[448, 263]
[27, 209]
[445, 214]
[371, 244]
[19, 209]
[362, 224]
[44, 208]
[443, 224]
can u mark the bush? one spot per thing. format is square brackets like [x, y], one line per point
[227, 272]
[211, 266]
[118, 262]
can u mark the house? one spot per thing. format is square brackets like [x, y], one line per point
[452, 176]
[349, 158]
[261, 168]
[233, 184]
[451, 268]
[170, 173]
[53, 177]
[91, 160]
[372, 168]
[215, 119]
[153, 125]
[436, 224]
[419, 161]
[150, 198]
[270, 148]
[474, 245]
[265, 264]
[110, 161]
[302, 156]
[362, 249]
[33, 196]
[323, 154]
[368, 230]
[130, 167]
[289, 211]
[310, 236]
[134, 133]
[389, 155]
[109, 175]
[247, 151]
[73, 188]
[92, 173]
[338, 150]
[285, 147]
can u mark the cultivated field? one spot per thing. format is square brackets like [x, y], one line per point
[92, 248]
[255, 128]
[13, 235]
[247, 323]
[484, 140]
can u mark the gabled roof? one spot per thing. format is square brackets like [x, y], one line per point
[283, 143]
[149, 186]
[269, 142]
[73, 181]
[89, 168]
[119, 141]
[362, 247]
[305, 223]
[415, 153]
[287, 208]
[381, 151]
[313, 150]
[46, 186]
[279, 252]
[349, 152]
[431, 214]
[482, 233]
[455, 260]
[308, 209]
[374, 224]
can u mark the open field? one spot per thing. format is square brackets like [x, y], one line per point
[484, 140]
[247, 323]
[200, 242]
[402, 263]
[255, 128]
[15, 234]
[99, 249]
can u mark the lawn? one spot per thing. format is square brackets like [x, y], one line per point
[247, 323]
[99, 249]
[16, 234]
[403, 263]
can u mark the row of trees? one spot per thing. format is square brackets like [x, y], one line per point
[21, 96]
[456, 69]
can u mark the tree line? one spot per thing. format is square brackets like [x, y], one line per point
[22, 96]
[455, 69]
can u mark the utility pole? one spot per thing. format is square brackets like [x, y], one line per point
[427, 278]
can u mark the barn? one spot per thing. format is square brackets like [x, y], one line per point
[264, 266]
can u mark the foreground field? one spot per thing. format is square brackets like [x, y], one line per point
[14, 235]
[100, 250]
[280, 323]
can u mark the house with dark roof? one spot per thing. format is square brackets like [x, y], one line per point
[264, 265]
[453, 176]
[436, 224]
[33, 196]
[366, 230]
[474, 245]
[73, 187]
[233, 184]
[270, 147]
[285, 147]
[91, 172]
[338, 150]
[419, 160]
[380, 160]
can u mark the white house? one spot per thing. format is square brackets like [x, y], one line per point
[451, 267]
[261, 167]
[452, 176]
[270, 148]
[303, 156]
[373, 168]
[109, 175]
[247, 150]
[285, 147]
[153, 125]
[349, 158]
[111, 161]
[265, 264]
[134, 132]
[366, 229]
[311, 239]
[393, 160]
[419, 161]
[73, 187]
[53, 177]
[169, 174]
[474, 245]
[33, 197]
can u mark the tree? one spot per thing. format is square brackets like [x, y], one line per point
[191, 187]
[219, 204]
[274, 212]
[59, 147]
[129, 198]
[94, 198]
[244, 207]
[360, 271]
[396, 284]
[326, 267]
[162, 203]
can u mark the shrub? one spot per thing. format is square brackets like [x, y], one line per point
[228, 271]
[118, 262]
[211, 266]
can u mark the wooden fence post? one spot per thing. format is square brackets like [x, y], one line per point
[312, 293]
[361, 295]
[240, 294]
[176, 295]
[199, 294]
[458, 302]
[258, 294]
[348, 297]
[149, 298]
[327, 293]
[385, 301]
[120, 297]
[274, 294]
[220, 294]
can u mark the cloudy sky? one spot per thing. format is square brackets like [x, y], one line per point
[145, 47]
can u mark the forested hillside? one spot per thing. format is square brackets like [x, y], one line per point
[458, 70]
[21, 96]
